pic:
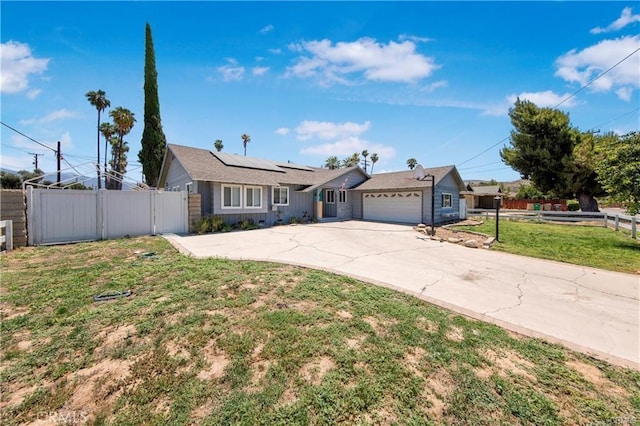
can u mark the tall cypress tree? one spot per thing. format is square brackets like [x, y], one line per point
[154, 142]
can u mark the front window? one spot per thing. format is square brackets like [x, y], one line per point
[189, 187]
[281, 196]
[447, 201]
[342, 196]
[231, 197]
[331, 196]
[253, 197]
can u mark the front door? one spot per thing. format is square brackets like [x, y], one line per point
[330, 209]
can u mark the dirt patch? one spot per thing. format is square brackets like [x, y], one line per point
[177, 350]
[96, 387]
[427, 325]
[439, 387]
[455, 334]
[355, 342]
[413, 358]
[315, 371]
[454, 236]
[114, 336]
[344, 314]
[508, 361]
[217, 362]
[8, 312]
[594, 375]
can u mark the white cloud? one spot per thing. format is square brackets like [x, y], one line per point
[626, 18]
[232, 71]
[267, 29]
[328, 130]
[335, 63]
[259, 70]
[17, 63]
[283, 131]
[275, 51]
[65, 141]
[61, 114]
[583, 66]
[349, 145]
[434, 86]
[546, 99]
[413, 38]
[33, 93]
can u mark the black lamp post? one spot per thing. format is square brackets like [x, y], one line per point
[497, 201]
[433, 204]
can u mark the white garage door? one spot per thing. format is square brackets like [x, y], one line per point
[405, 207]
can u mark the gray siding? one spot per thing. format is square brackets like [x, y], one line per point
[351, 179]
[447, 185]
[176, 176]
[299, 203]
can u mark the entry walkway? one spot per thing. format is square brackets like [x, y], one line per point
[586, 309]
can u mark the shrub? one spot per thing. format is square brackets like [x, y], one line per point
[573, 205]
[248, 224]
[203, 225]
[216, 223]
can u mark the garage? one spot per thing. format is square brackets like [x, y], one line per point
[403, 207]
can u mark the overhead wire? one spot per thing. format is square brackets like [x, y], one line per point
[28, 137]
[560, 103]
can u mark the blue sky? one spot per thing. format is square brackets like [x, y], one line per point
[306, 80]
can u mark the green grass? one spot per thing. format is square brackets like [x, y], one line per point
[217, 342]
[593, 246]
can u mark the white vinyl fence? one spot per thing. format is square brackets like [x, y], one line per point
[64, 216]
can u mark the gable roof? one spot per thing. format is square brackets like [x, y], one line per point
[484, 190]
[407, 179]
[204, 165]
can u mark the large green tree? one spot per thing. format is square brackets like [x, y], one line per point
[218, 145]
[618, 168]
[124, 120]
[108, 130]
[555, 156]
[412, 163]
[154, 142]
[99, 100]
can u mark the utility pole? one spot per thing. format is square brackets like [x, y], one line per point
[35, 159]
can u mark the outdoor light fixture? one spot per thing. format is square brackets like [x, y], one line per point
[497, 200]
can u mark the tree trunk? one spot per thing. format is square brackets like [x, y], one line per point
[587, 202]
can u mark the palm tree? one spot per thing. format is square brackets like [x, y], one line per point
[124, 121]
[365, 154]
[108, 130]
[218, 145]
[100, 102]
[332, 163]
[412, 162]
[374, 160]
[245, 140]
[351, 161]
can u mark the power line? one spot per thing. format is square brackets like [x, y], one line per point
[560, 103]
[616, 118]
[28, 137]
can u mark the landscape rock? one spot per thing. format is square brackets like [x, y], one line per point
[472, 244]
[454, 240]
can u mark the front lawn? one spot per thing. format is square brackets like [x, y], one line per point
[593, 246]
[211, 341]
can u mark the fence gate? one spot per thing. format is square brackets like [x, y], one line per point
[63, 216]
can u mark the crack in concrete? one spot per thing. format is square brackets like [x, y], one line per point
[432, 284]
[520, 296]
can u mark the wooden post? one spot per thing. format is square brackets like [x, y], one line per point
[617, 223]
[633, 227]
[606, 216]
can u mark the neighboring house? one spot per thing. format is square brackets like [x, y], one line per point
[240, 188]
[482, 197]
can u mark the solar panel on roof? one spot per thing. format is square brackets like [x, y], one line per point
[294, 166]
[247, 162]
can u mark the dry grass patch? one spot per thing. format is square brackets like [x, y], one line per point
[314, 371]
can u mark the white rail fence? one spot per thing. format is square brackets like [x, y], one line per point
[616, 221]
[64, 216]
[6, 239]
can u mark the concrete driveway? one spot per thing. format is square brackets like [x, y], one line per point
[586, 309]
